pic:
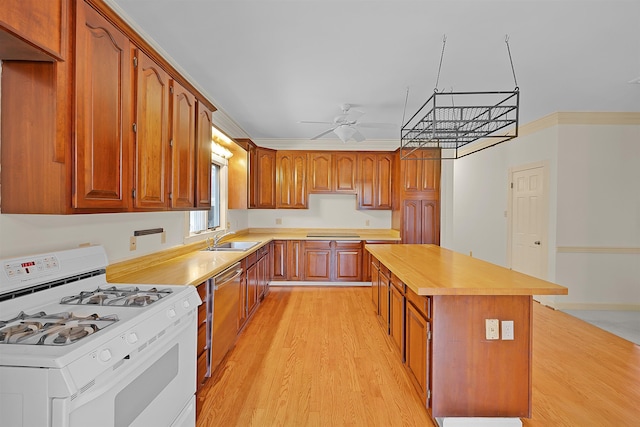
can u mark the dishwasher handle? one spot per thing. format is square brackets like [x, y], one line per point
[229, 275]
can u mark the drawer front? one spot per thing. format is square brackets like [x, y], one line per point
[397, 283]
[421, 303]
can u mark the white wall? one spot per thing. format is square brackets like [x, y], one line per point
[31, 234]
[594, 208]
[325, 211]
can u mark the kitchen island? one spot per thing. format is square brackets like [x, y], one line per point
[462, 328]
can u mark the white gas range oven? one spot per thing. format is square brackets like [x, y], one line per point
[78, 351]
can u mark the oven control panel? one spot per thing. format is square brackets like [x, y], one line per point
[31, 267]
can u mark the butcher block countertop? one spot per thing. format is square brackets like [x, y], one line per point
[432, 270]
[190, 265]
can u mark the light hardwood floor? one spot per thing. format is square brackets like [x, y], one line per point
[318, 357]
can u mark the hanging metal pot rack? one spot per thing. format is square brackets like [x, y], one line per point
[449, 121]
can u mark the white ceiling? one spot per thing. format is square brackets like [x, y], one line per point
[269, 64]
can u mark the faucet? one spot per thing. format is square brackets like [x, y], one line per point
[220, 235]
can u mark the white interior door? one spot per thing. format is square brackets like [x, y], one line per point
[529, 221]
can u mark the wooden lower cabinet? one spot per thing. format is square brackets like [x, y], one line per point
[384, 281]
[317, 260]
[347, 258]
[201, 345]
[417, 351]
[375, 284]
[396, 315]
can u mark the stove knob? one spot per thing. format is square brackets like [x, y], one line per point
[185, 303]
[132, 338]
[171, 312]
[105, 355]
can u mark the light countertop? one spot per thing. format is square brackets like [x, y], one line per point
[432, 270]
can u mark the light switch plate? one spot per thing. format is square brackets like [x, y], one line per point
[491, 329]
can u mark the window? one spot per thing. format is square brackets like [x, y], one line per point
[214, 218]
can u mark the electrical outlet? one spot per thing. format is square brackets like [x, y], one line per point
[491, 329]
[507, 329]
[132, 243]
[278, 221]
[163, 237]
[367, 223]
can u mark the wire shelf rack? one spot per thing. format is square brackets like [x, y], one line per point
[449, 121]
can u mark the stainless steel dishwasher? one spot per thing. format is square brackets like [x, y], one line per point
[226, 301]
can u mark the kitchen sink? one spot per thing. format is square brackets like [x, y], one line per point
[233, 246]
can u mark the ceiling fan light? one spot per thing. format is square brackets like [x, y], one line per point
[344, 132]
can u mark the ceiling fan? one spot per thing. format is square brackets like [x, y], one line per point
[346, 125]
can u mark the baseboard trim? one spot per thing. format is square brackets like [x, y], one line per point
[305, 283]
[596, 306]
[597, 250]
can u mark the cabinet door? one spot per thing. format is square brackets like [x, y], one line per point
[374, 180]
[344, 172]
[384, 168]
[295, 264]
[103, 115]
[375, 286]
[266, 178]
[421, 176]
[152, 134]
[430, 222]
[348, 261]
[252, 288]
[396, 315]
[411, 221]
[384, 300]
[279, 259]
[320, 175]
[317, 261]
[252, 179]
[417, 354]
[203, 156]
[183, 147]
[291, 181]
[243, 307]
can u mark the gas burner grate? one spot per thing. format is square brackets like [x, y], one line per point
[51, 329]
[117, 296]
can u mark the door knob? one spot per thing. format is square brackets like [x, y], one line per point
[537, 242]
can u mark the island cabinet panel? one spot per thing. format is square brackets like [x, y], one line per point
[151, 134]
[384, 282]
[203, 155]
[397, 315]
[375, 284]
[473, 376]
[317, 260]
[417, 348]
[103, 116]
[291, 183]
[374, 180]
[183, 147]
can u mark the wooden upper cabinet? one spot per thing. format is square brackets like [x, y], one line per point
[421, 175]
[291, 184]
[332, 172]
[33, 30]
[203, 155]
[262, 168]
[421, 222]
[374, 180]
[320, 174]
[345, 166]
[183, 147]
[152, 134]
[103, 115]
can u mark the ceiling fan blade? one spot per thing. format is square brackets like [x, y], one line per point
[378, 125]
[323, 133]
[324, 123]
[358, 137]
